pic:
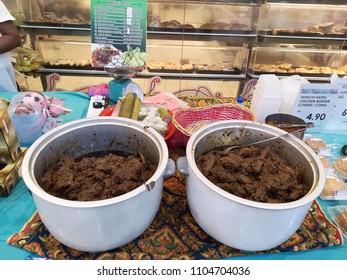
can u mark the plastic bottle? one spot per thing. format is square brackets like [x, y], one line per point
[240, 101]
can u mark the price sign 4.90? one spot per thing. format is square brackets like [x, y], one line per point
[316, 117]
[315, 103]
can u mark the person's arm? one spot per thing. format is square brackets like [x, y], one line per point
[10, 38]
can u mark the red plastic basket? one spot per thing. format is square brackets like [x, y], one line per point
[191, 119]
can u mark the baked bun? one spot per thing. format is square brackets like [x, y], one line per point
[340, 29]
[316, 143]
[221, 26]
[172, 24]
[332, 184]
[154, 22]
[207, 25]
[342, 220]
[326, 27]
[239, 26]
[188, 26]
[343, 68]
[341, 167]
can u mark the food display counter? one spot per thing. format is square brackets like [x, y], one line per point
[22, 232]
[221, 32]
[283, 20]
[214, 29]
[312, 63]
[219, 40]
[220, 17]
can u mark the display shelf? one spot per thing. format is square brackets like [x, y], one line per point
[151, 34]
[203, 36]
[238, 23]
[303, 21]
[310, 63]
[34, 30]
[325, 40]
[309, 78]
[101, 72]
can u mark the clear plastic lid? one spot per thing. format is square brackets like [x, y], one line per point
[334, 188]
[339, 214]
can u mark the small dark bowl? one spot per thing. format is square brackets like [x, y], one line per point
[287, 118]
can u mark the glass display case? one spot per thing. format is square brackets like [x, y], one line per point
[64, 52]
[308, 62]
[193, 39]
[230, 17]
[221, 33]
[164, 56]
[55, 12]
[196, 57]
[303, 20]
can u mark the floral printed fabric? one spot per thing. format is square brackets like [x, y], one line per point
[174, 234]
[202, 101]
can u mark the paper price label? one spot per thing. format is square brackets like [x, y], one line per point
[340, 110]
[315, 103]
[338, 121]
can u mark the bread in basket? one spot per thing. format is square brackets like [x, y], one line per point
[188, 120]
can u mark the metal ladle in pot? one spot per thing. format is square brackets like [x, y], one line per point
[293, 125]
[283, 125]
[230, 147]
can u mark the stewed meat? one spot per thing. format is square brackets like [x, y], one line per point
[253, 173]
[95, 176]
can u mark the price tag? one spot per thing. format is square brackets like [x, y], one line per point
[340, 195]
[119, 32]
[52, 123]
[314, 103]
[338, 121]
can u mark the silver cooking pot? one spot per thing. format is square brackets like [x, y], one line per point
[102, 225]
[238, 222]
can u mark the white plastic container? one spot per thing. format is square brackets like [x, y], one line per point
[290, 89]
[267, 97]
[262, 106]
[269, 85]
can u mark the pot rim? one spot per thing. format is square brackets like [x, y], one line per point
[316, 188]
[37, 147]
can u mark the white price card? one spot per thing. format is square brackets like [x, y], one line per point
[338, 121]
[315, 103]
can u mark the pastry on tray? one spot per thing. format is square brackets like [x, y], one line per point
[341, 167]
[216, 26]
[188, 26]
[154, 22]
[174, 66]
[172, 24]
[342, 220]
[221, 67]
[326, 27]
[332, 184]
[316, 143]
[70, 63]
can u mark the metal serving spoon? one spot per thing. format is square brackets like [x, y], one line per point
[290, 125]
[230, 147]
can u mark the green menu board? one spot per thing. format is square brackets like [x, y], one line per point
[118, 33]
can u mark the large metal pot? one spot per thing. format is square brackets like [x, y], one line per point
[105, 224]
[238, 222]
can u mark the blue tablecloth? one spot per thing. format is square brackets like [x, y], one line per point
[19, 206]
[16, 209]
